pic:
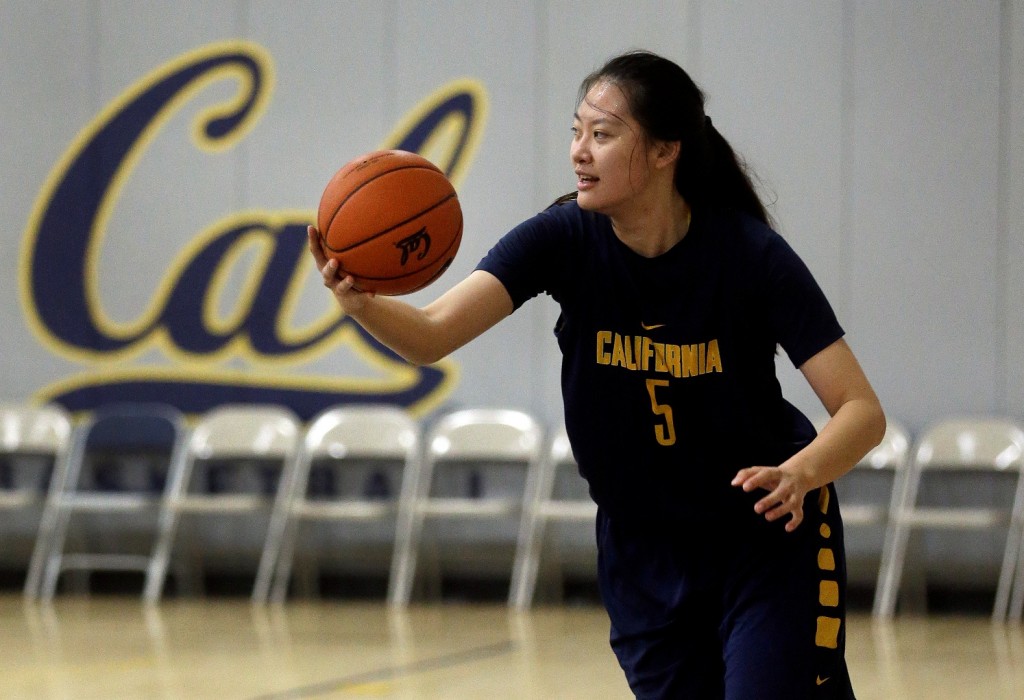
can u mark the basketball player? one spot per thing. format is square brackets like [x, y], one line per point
[720, 542]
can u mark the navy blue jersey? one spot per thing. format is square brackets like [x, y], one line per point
[668, 371]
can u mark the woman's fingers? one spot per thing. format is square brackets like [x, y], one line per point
[329, 271]
[328, 267]
[337, 280]
[784, 497]
[316, 247]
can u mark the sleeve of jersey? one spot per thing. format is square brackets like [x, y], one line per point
[528, 258]
[801, 315]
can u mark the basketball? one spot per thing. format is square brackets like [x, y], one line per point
[392, 220]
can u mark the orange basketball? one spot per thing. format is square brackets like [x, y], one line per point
[392, 220]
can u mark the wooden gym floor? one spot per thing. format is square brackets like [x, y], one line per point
[112, 646]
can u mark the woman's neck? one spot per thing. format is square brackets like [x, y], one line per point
[654, 231]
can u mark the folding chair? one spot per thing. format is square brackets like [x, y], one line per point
[1017, 591]
[116, 467]
[256, 444]
[541, 506]
[481, 437]
[963, 445]
[33, 446]
[357, 442]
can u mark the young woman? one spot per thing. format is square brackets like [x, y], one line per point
[721, 560]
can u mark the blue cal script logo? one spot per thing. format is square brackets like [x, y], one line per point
[59, 267]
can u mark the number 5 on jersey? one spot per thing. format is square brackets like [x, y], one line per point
[665, 433]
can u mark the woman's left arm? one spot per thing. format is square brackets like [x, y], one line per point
[857, 424]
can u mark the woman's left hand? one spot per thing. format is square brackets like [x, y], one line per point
[786, 491]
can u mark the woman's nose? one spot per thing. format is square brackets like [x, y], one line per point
[578, 152]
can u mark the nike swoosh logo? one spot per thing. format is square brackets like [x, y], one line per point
[821, 681]
[652, 326]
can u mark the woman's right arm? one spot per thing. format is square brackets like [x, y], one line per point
[424, 335]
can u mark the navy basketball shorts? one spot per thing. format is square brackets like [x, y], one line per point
[749, 613]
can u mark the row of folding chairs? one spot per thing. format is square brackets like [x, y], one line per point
[935, 486]
[284, 452]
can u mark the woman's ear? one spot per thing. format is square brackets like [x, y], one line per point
[666, 153]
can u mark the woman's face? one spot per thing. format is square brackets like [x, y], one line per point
[609, 153]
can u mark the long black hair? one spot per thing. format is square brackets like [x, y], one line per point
[670, 107]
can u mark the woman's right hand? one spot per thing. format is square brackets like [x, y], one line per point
[342, 285]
